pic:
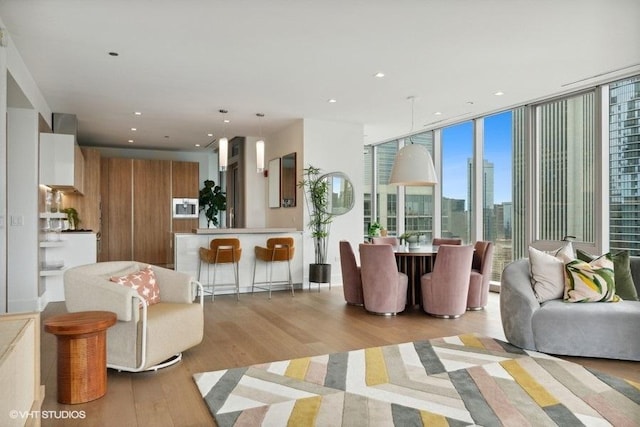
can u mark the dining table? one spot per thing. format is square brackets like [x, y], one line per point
[415, 262]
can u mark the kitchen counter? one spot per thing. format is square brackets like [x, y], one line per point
[187, 245]
[242, 230]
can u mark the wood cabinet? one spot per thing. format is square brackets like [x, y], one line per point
[152, 211]
[88, 204]
[185, 184]
[116, 191]
[137, 221]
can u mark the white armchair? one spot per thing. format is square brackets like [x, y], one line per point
[144, 338]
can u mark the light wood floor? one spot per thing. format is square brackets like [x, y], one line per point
[256, 330]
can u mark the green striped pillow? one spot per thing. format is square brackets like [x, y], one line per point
[590, 281]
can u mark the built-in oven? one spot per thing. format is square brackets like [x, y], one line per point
[185, 208]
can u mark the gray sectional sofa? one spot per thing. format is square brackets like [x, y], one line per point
[607, 330]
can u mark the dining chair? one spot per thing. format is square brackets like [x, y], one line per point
[446, 288]
[384, 288]
[278, 250]
[389, 240]
[351, 280]
[437, 241]
[481, 268]
[221, 251]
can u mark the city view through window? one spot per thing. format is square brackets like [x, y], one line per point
[563, 163]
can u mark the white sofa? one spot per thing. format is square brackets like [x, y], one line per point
[144, 337]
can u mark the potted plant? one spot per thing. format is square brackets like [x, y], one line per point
[412, 238]
[374, 229]
[316, 196]
[212, 200]
[72, 217]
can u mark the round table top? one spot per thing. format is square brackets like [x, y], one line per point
[82, 322]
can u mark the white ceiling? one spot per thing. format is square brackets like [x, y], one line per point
[181, 61]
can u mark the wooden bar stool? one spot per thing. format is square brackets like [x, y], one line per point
[221, 251]
[279, 249]
[82, 354]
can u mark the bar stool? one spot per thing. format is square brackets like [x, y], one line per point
[221, 251]
[279, 249]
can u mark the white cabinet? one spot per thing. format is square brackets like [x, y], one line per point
[61, 162]
[73, 249]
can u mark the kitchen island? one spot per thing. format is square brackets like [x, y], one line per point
[186, 247]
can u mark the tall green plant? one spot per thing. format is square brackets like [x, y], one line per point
[316, 196]
[212, 200]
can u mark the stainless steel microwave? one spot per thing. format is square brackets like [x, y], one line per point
[185, 208]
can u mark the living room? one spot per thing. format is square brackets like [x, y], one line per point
[322, 135]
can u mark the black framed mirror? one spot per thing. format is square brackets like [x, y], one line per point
[288, 180]
[341, 193]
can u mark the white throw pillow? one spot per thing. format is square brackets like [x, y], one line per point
[547, 272]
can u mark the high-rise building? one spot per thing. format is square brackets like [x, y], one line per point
[624, 163]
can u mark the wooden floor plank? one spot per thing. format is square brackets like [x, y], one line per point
[256, 330]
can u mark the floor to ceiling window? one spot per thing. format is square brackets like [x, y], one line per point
[386, 196]
[457, 152]
[368, 187]
[497, 188]
[565, 140]
[418, 202]
[624, 163]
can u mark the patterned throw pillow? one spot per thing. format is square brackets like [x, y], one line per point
[143, 281]
[591, 281]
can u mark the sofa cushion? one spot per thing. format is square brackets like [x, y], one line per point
[591, 281]
[547, 271]
[625, 287]
[144, 282]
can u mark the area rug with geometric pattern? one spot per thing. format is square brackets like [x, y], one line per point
[455, 381]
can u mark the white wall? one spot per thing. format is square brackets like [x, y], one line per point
[22, 202]
[255, 189]
[286, 141]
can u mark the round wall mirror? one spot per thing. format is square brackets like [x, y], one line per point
[341, 194]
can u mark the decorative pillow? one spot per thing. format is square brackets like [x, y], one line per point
[625, 288]
[143, 281]
[591, 281]
[547, 272]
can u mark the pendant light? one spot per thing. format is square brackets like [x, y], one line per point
[260, 147]
[223, 148]
[413, 164]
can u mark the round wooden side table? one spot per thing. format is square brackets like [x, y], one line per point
[82, 354]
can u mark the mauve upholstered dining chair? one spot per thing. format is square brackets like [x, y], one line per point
[389, 240]
[437, 241]
[351, 280]
[384, 288]
[481, 267]
[445, 290]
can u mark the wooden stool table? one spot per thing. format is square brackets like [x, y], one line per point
[82, 354]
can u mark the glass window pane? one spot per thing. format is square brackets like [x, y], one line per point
[565, 136]
[624, 162]
[418, 210]
[497, 185]
[457, 151]
[386, 197]
[368, 187]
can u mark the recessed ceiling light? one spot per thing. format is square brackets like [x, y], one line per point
[137, 113]
[209, 134]
[332, 101]
[134, 129]
[499, 93]
[197, 145]
[131, 141]
[166, 136]
[113, 54]
[469, 102]
[437, 113]
[379, 74]
[227, 121]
